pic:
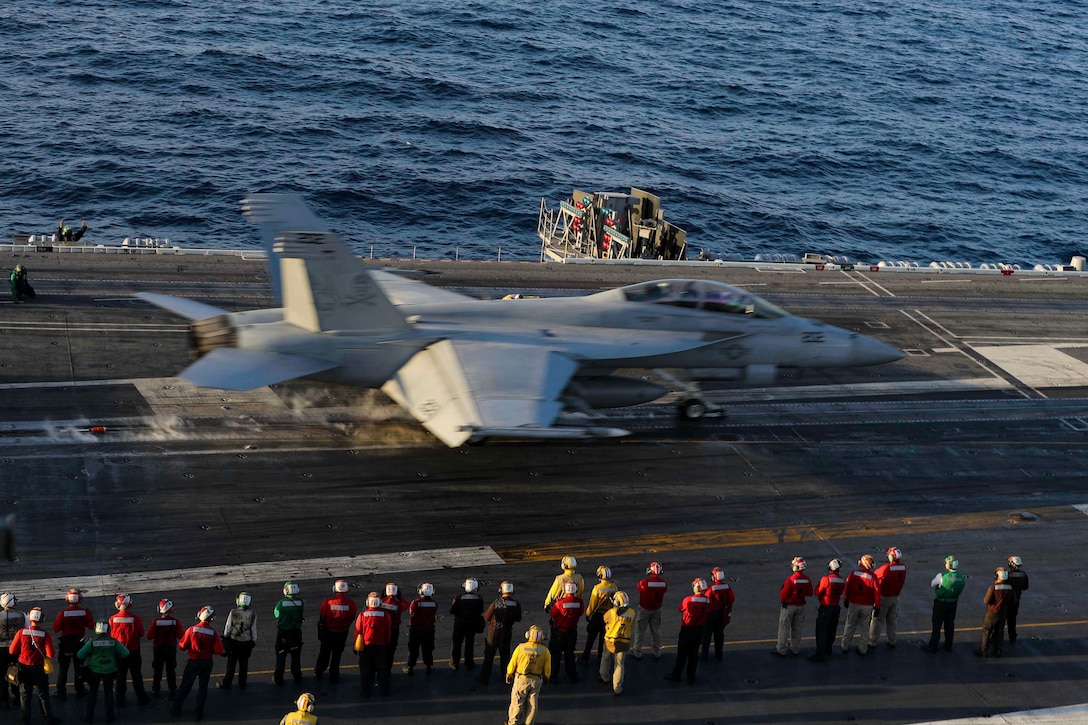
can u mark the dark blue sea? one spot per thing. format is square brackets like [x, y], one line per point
[923, 130]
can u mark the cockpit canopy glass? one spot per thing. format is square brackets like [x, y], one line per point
[703, 295]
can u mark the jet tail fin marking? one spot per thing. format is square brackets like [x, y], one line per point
[326, 288]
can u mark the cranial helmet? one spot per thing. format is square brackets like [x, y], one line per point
[834, 564]
[470, 585]
[165, 606]
[8, 600]
[798, 563]
[717, 574]
[894, 554]
[1001, 573]
[74, 596]
[655, 568]
[35, 614]
[698, 586]
[866, 562]
[535, 634]
[507, 587]
[373, 600]
[569, 563]
[391, 589]
[1016, 562]
[123, 601]
[620, 599]
[339, 586]
[951, 563]
[305, 702]
[101, 626]
[206, 613]
[603, 572]
[570, 587]
[426, 589]
[290, 589]
[244, 599]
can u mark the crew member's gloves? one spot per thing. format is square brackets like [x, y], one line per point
[509, 679]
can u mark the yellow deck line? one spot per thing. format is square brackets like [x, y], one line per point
[721, 538]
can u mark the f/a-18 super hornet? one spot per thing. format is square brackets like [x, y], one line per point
[469, 369]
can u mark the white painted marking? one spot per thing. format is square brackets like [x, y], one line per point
[1082, 507]
[945, 349]
[207, 577]
[1048, 716]
[1038, 365]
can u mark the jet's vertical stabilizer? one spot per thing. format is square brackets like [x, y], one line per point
[326, 288]
[275, 214]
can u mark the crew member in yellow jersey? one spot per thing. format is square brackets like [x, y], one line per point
[529, 665]
[619, 622]
[305, 713]
[569, 564]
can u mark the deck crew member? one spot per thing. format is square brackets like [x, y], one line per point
[65, 233]
[289, 613]
[202, 642]
[421, 617]
[791, 620]
[890, 578]
[396, 605]
[600, 601]
[239, 639]
[30, 648]
[334, 621]
[371, 638]
[103, 656]
[569, 565]
[693, 612]
[128, 629]
[722, 599]
[565, 614]
[619, 623]
[20, 285]
[11, 621]
[529, 666]
[501, 616]
[1018, 579]
[651, 595]
[304, 715]
[71, 625]
[467, 609]
[997, 600]
[165, 632]
[828, 592]
[947, 587]
[862, 599]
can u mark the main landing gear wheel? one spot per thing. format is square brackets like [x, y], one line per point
[691, 409]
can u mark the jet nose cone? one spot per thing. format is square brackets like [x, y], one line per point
[867, 351]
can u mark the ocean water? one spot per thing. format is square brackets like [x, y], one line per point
[928, 130]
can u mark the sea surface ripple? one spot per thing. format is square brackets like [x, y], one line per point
[929, 130]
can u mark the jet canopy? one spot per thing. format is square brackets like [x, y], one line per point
[703, 295]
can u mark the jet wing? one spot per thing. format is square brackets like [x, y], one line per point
[234, 369]
[403, 291]
[461, 389]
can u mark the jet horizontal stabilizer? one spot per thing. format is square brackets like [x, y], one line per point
[189, 309]
[234, 369]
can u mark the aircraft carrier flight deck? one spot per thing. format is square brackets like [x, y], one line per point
[124, 478]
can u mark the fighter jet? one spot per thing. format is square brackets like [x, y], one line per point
[470, 369]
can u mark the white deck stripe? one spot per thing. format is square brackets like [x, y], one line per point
[1048, 716]
[258, 573]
